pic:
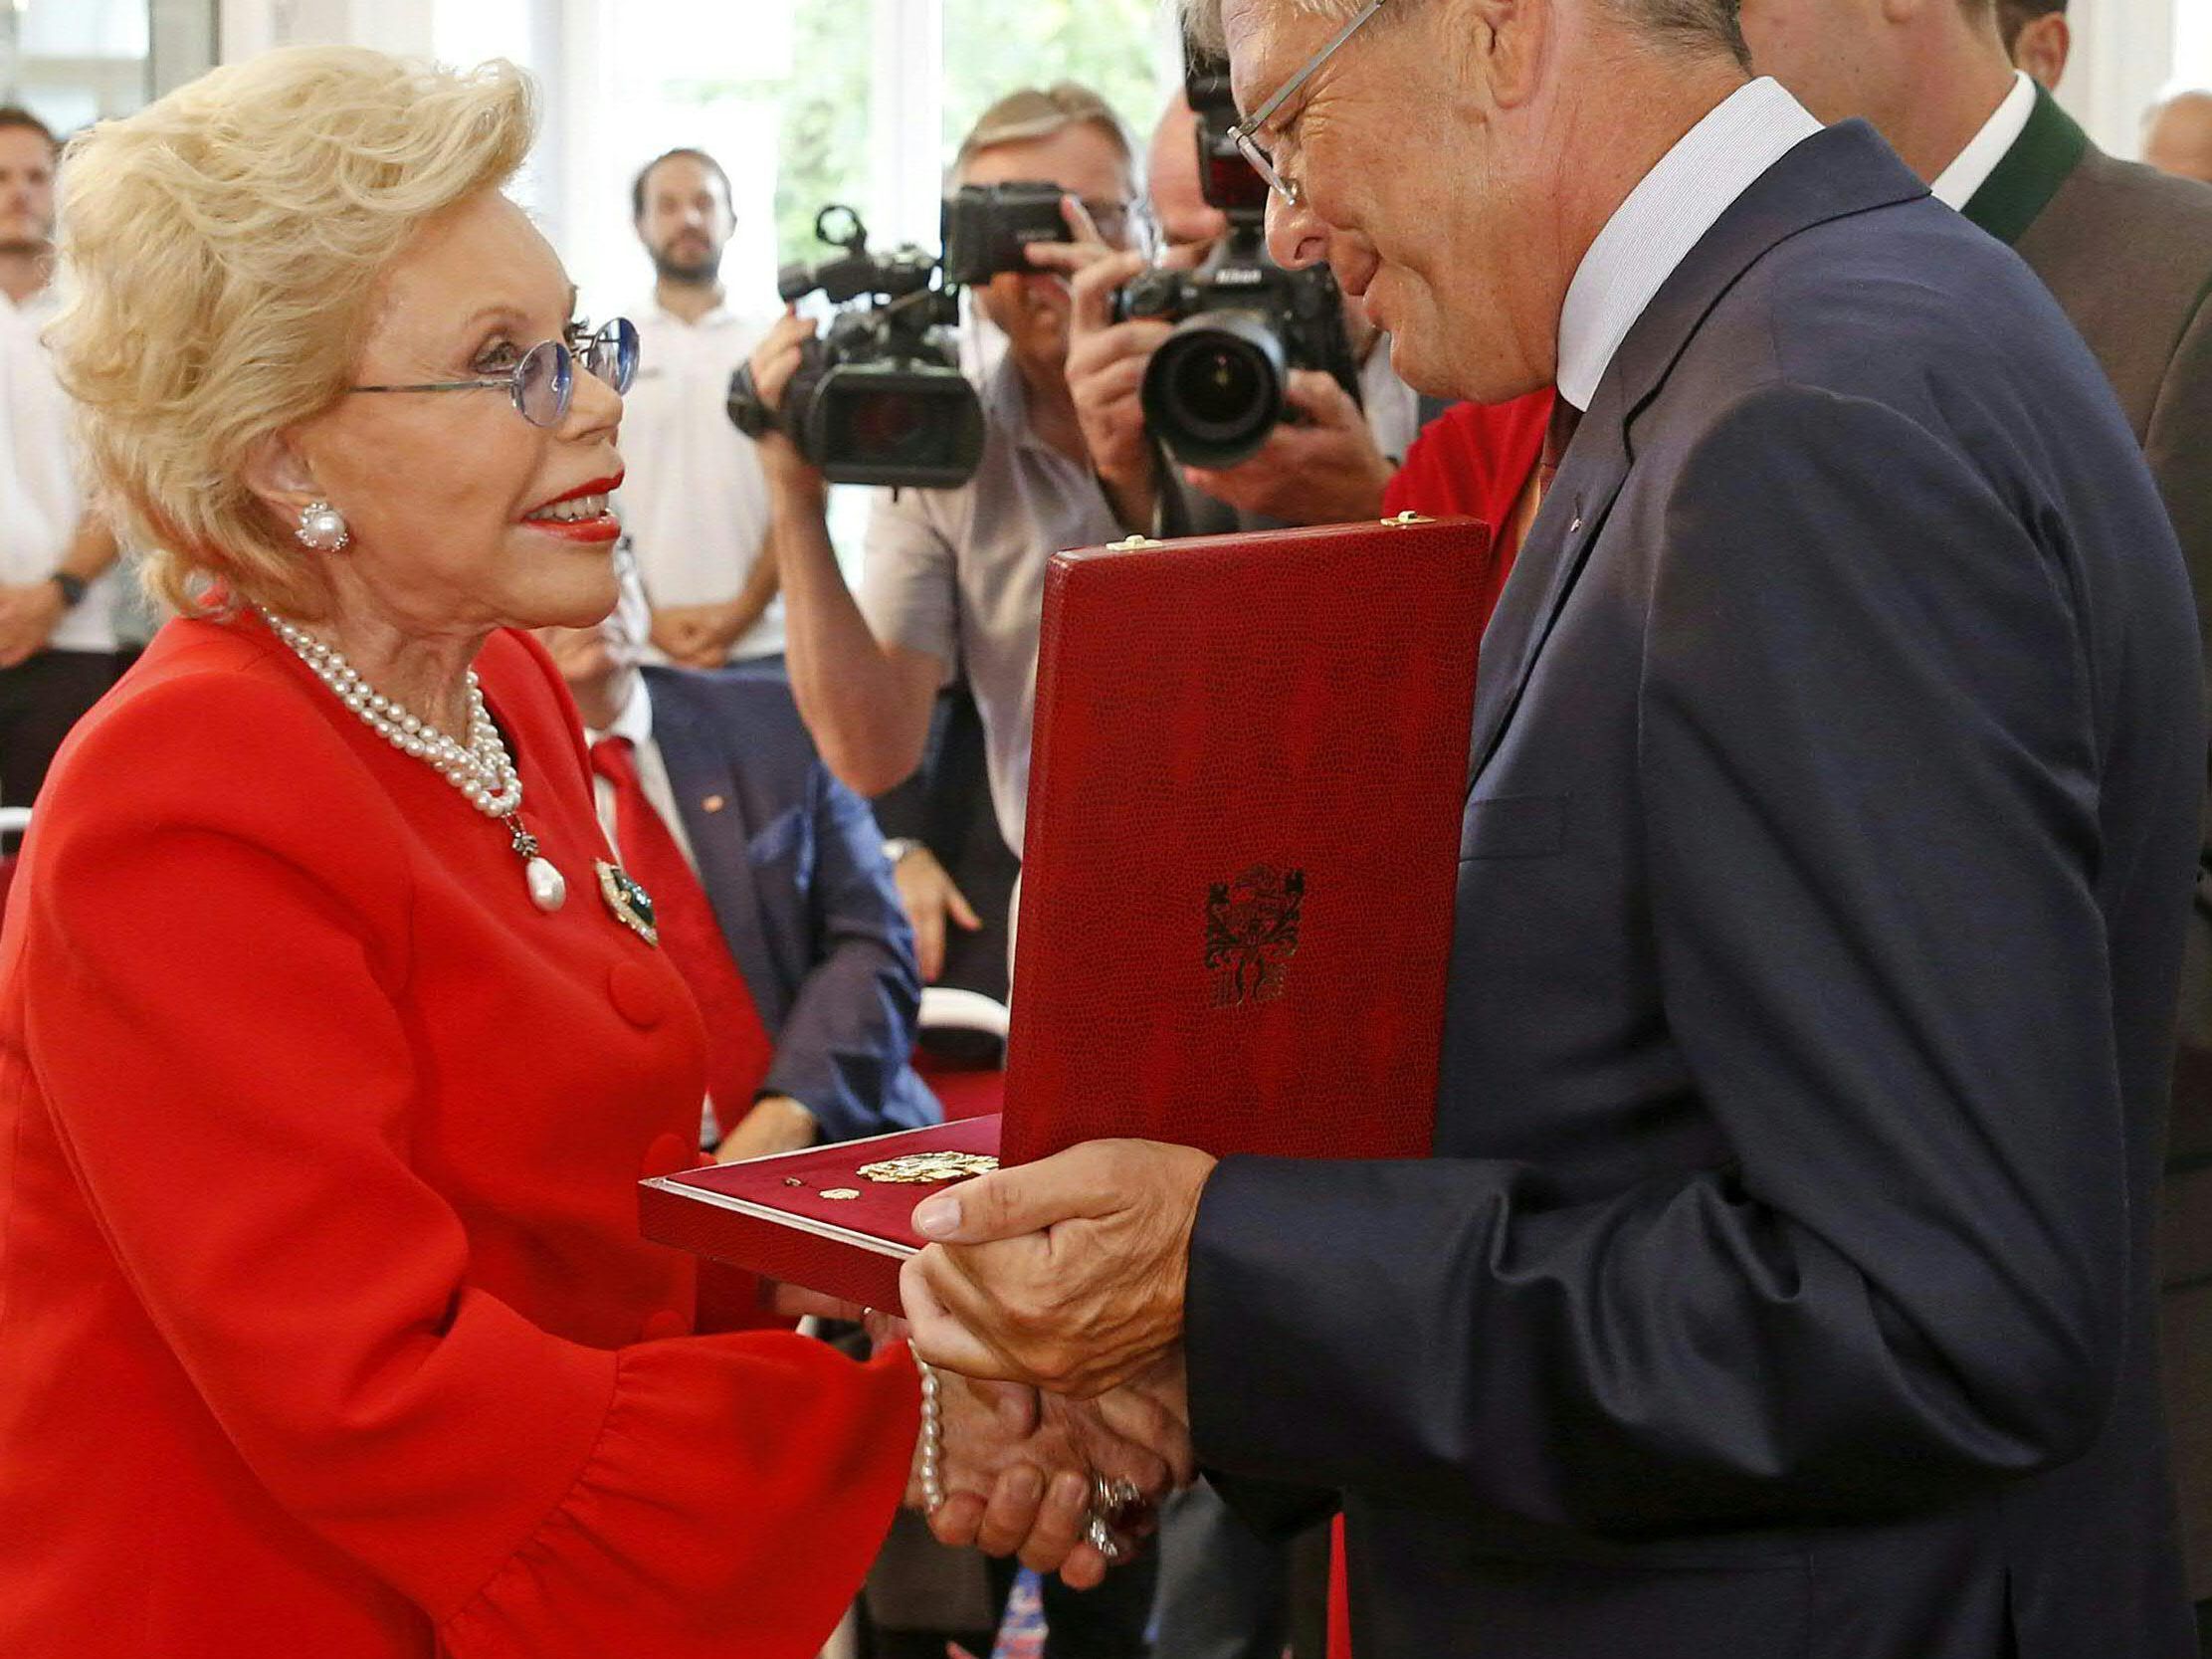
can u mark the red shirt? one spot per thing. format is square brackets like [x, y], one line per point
[1476, 459]
[328, 1325]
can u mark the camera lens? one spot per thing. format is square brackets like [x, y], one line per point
[884, 426]
[1215, 389]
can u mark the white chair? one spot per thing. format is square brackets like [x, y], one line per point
[945, 1008]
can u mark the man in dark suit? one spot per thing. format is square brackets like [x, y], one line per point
[1782, 1282]
[2127, 254]
[769, 888]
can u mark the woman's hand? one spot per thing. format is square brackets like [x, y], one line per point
[1018, 1478]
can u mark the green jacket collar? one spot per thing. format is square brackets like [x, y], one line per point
[2049, 147]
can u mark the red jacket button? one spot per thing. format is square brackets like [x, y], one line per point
[640, 995]
[662, 1323]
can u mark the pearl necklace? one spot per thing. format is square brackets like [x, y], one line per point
[481, 769]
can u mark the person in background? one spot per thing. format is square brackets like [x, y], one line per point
[57, 592]
[2178, 136]
[695, 503]
[1329, 465]
[2037, 37]
[1933, 78]
[956, 577]
[769, 888]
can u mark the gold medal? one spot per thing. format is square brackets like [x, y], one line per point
[929, 1169]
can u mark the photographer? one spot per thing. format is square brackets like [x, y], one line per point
[1326, 466]
[956, 576]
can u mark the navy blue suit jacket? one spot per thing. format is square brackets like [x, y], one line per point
[1781, 1283]
[793, 865]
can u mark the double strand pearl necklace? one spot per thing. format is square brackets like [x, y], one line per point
[481, 769]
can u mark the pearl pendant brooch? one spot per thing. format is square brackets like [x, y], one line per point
[548, 887]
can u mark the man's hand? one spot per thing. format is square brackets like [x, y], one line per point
[776, 1123]
[774, 362]
[1017, 1479]
[929, 896]
[1325, 470]
[1067, 1273]
[28, 617]
[697, 636]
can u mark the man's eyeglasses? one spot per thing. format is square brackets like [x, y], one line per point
[1246, 131]
[545, 382]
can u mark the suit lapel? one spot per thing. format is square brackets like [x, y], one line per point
[698, 772]
[1559, 544]
[2029, 174]
[1840, 171]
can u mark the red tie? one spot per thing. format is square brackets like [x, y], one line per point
[1557, 435]
[738, 1051]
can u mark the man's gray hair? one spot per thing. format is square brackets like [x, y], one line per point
[1692, 26]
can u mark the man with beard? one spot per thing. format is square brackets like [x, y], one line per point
[57, 635]
[693, 500]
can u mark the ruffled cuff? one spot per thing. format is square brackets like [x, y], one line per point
[737, 1490]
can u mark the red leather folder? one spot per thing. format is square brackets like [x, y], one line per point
[1245, 794]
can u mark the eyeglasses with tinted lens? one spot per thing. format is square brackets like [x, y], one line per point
[542, 385]
[1246, 132]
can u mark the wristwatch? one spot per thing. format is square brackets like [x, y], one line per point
[72, 587]
[898, 847]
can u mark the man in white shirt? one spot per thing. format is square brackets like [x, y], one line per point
[692, 499]
[57, 597]
[1782, 1285]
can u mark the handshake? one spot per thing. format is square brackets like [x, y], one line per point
[1069, 1485]
[1048, 1312]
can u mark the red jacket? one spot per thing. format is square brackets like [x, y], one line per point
[325, 1324]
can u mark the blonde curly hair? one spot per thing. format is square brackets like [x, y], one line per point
[222, 250]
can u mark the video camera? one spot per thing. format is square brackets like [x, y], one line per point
[1218, 384]
[989, 227]
[880, 397]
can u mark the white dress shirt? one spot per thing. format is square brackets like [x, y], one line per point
[695, 499]
[41, 496]
[1663, 217]
[1970, 168]
[1393, 408]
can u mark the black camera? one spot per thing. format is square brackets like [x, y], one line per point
[878, 398]
[1218, 384]
[987, 227]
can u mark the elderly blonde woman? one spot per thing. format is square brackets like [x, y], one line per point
[331, 1047]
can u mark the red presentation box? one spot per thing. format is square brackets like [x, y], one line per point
[769, 1214]
[1248, 769]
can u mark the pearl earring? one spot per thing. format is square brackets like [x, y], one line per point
[322, 528]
